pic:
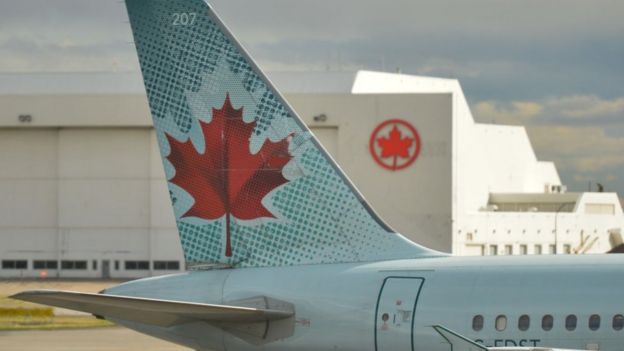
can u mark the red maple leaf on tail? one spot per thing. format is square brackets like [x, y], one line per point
[227, 180]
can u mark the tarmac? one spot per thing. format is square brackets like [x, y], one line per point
[97, 339]
[89, 339]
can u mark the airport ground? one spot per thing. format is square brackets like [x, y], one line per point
[66, 330]
[92, 339]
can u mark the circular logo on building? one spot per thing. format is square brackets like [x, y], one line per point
[394, 144]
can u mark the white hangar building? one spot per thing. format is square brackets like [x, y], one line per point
[84, 195]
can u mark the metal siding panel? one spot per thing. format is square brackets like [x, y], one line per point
[29, 203]
[104, 153]
[28, 153]
[105, 203]
[161, 212]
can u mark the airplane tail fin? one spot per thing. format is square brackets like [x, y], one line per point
[250, 184]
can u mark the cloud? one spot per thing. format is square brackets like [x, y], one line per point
[516, 112]
[575, 109]
[509, 56]
[582, 134]
[597, 163]
[531, 19]
[446, 67]
[500, 50]
[582, 155]
[66, 55]
[580, 149]
[586, 106]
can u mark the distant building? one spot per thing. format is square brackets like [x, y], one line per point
[84, 194]
[504, 200]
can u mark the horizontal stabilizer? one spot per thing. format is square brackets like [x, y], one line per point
[162, 313]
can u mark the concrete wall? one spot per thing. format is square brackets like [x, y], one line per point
[416, 201]
[87, 194]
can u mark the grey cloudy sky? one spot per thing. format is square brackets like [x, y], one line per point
[555, 66]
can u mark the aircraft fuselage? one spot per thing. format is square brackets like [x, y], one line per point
[391, 305]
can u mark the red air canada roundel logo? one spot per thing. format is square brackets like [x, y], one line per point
[394, 144]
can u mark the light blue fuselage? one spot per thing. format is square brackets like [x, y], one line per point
[342, 306]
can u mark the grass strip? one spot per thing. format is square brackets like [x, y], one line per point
[51, 323]
[16, 312]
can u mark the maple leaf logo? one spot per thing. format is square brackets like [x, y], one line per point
[395, 144]
[227, 180]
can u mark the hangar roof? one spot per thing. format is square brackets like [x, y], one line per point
[90, 83]
[71, 83]
[298, 82]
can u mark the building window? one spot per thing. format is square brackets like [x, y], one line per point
[594, 322]
[508, 250]
[14, 264]
[538, 249]
[116, 265]
[501, 323]
[73, 264]
[618, 322]
[45, 264]
[524, 322]
[523, 249]
[477, 322]
[567, 249]
[493, 250]
[137, 265]
[94, 265]
[167, 265]
[552, 249]
[547, 322]
[570, 322]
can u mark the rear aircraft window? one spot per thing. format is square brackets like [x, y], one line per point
[501, 323]
[570, 322]
[547, 322]
[594, 322]
[524, 322]
[618, 322]
[477, 322]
